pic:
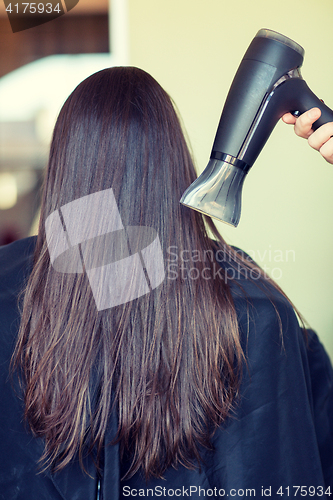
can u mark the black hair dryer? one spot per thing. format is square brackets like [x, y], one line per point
[267, 84]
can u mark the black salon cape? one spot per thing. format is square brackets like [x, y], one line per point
[280, 435]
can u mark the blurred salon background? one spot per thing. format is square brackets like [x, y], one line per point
[193, 49]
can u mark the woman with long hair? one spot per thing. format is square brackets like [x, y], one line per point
[148, 357]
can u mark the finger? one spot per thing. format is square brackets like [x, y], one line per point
[289, 118]
[321, 136]
[303, 125]
[327, 151]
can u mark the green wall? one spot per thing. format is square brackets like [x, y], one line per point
[193, 49]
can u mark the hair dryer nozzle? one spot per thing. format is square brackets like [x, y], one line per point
[217, 192]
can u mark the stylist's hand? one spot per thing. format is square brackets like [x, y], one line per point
[320, 139]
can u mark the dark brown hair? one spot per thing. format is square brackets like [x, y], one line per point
[171, 358]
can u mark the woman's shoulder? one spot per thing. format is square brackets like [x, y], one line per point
[16, 252]
[251, 288]
[15, 267]
[15, 263]
[271, 330]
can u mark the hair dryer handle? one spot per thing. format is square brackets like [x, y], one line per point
[292, 95]
[309, 100]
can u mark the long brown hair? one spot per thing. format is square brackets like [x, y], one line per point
[170, 360]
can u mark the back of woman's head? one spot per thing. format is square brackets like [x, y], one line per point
[119, 129]
[166, 358]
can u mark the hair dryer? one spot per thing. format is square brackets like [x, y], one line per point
[268, 83]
